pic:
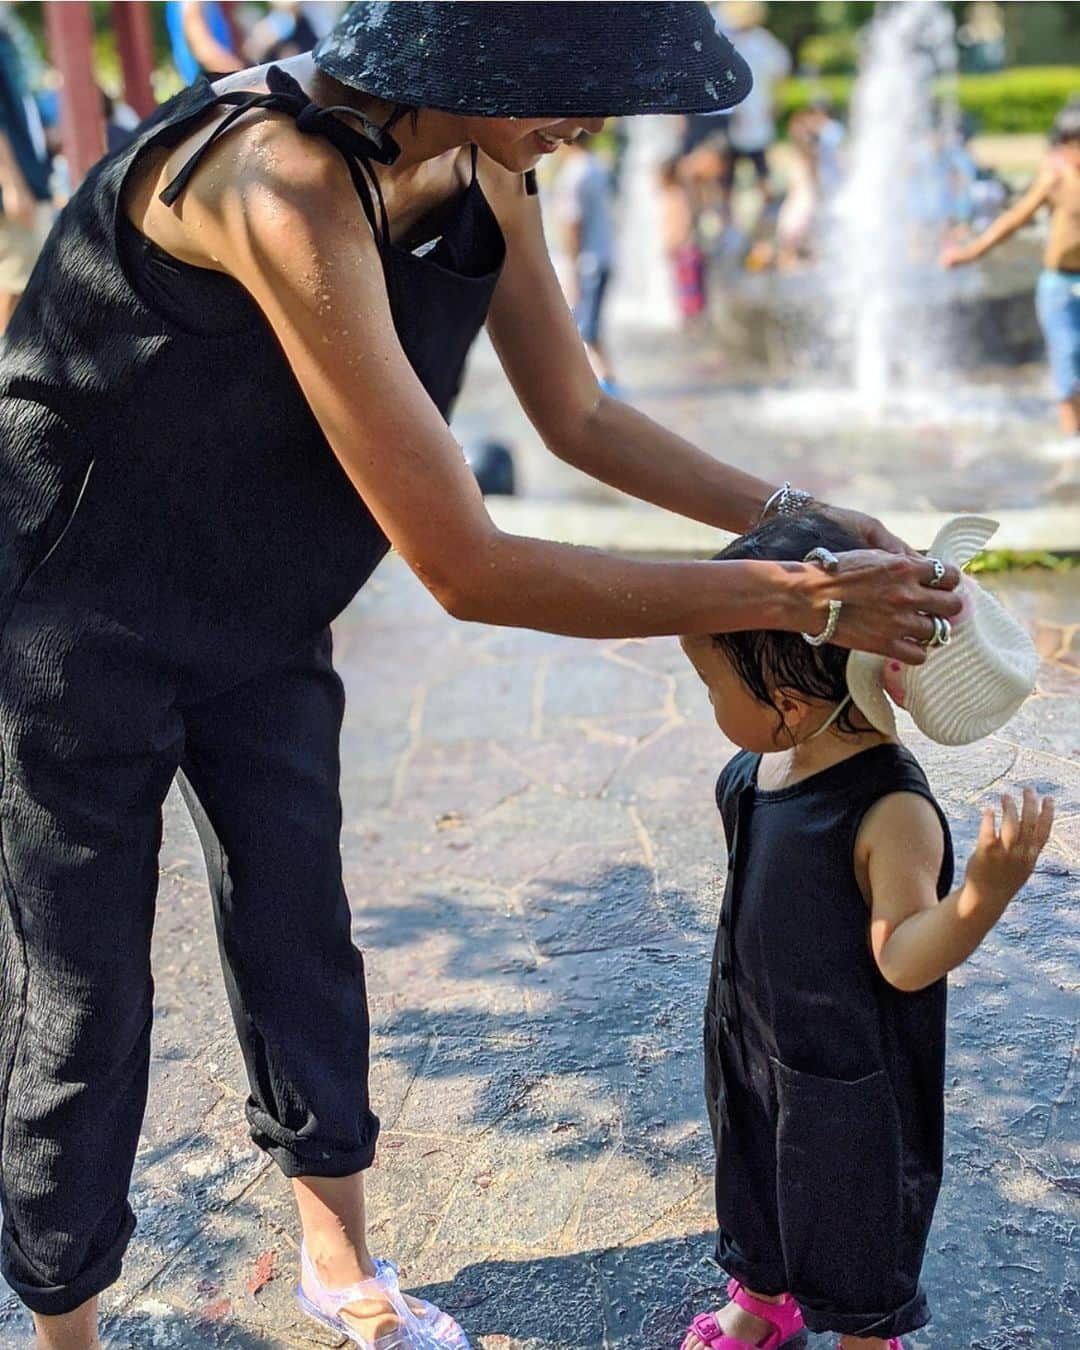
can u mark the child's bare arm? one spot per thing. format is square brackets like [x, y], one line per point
[1006, 224]
[915, 939]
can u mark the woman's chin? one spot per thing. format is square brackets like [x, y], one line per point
[515, 160]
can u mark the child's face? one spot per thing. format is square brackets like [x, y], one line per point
[744, 720]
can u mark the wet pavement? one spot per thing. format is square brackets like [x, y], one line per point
[534, 864]
[983, 441]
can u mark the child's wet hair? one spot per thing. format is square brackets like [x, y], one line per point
[767, 660]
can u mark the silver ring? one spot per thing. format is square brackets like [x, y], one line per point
[942, 634]
[825, 558]
[938, 572]
[826, 634]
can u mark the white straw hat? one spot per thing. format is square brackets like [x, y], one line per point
[972, 686]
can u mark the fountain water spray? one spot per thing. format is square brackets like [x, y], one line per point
[889, 298]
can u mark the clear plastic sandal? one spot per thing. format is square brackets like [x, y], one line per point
[431, 1329]
[447, 1334]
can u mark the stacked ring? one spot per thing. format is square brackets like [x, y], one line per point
[942, 632]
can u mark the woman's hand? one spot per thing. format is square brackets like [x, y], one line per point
[886, 599]
[867, 528]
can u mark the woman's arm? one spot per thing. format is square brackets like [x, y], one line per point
[278, 211]
[915, 939]
[1006, 224]
[539, 347]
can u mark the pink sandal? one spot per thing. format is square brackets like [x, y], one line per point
[785, 1319]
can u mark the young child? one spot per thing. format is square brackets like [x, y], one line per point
[825, 1022]
[1057, 295]
[679, 231]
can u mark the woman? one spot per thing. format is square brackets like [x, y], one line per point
[224, 399]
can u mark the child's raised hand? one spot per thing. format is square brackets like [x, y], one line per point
[954, 255]
[1004, 859]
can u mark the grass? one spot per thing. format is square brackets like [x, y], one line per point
[1019, 560]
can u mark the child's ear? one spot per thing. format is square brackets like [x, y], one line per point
[793, 707]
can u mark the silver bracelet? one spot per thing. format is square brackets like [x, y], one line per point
[786, 501]
[830, 563]
[826, 634]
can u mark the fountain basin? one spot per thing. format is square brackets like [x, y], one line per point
[783, 321]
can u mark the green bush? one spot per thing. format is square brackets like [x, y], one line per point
[1025, 99]
[835, 53]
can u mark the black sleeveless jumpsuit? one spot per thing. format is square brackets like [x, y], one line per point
[824, 1084]
[175, 537]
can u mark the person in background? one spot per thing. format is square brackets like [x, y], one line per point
[830, 134]
[751, 128]
[584, 213]
[799, 209]
[1057, 295]
[681, 246]
[284, 31]
[202, 39]
[121, 121]
[25, 197]
[321, 15]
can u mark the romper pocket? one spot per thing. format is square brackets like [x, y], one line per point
[838, 1187]
[61, 534]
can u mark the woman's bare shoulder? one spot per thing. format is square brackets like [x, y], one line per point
[262, 164]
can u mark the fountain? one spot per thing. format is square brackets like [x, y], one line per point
[877, 320]
[889, 300]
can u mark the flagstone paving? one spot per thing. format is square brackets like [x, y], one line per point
[534, 862]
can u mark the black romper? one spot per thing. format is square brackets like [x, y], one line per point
[824, 1084]
[175, 537]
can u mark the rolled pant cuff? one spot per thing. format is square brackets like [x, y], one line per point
[56, 1299]
[912, 1315]
[769, 1283]
[306, 1158]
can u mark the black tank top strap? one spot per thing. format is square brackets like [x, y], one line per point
[358, 145]
[472, 159]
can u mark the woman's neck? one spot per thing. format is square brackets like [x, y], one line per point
[421, 140]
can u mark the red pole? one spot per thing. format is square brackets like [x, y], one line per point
[71, 41]
[135, 42]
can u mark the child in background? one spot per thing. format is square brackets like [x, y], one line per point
[825, 1022]
[1057, 295]
[679, 232]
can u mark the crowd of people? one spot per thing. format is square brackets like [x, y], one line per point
[790, 191]
[739, 190]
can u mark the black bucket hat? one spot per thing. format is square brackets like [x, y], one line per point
[542, 59]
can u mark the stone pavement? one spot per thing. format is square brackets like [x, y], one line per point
[534, 864]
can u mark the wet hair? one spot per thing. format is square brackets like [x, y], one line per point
[766, 660]
[1067, 123]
